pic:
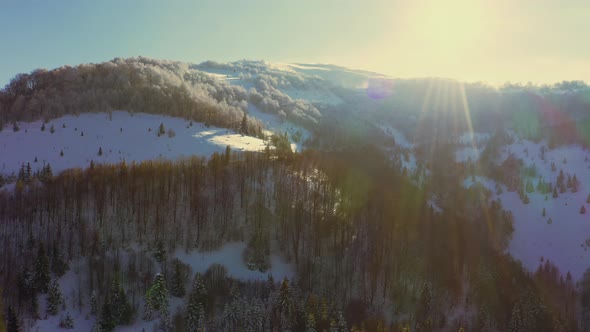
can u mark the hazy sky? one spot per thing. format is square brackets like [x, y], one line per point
[495, 41]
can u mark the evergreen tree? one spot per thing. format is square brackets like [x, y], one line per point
[42, 278]
[161, 130]
[35, 306]
[310, 323]
[543, 214]
[284, 305]
[570, 183]
[196, 305]
[52, 129]
[160, 253]
[525, 199]
[61, 153]
[588, 199]
[244, 125]
[100, 151]
[28, 174]
[59, 264]
[54, 298]
[121, 310]
[93, 304]
[553, 167]
[165, 324]
[12, 322]
[177, 282]
[43, 127]
[67, 322]
[555, 193]
[583, 210]
[107, 322]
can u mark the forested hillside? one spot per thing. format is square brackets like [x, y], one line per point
[361, 235]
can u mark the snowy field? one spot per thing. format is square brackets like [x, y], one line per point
[561, 235]
[124, 136]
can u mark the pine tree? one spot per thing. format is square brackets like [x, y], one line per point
[583, 210]
[569, 181]
[28, 174]
[35, 306]
[177, 282]
[100, 151]
[107, 322]
[310, 323]
[54, 298]
[525, 199]
[67, 322]
[12, 322]
[543, 214]
[244, 125]
[553, 167]
[59, 264]
[52, 129]
[93, 304]
[61, 153]
[160, 253]
[41, 278]
[161, 130]
[284, 303]
[196, 305]
[165, 323]
[156, 297]
[555, 193]
[43, 127]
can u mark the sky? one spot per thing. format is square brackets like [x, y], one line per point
[539, 41]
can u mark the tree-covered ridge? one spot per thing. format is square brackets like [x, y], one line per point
[143, 85]
[359, 232]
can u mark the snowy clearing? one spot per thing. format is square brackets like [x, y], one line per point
[122, 137]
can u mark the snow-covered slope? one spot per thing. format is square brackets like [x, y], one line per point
[562, 234]
[121, 136]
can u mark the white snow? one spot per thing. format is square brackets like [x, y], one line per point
[398, 136]
[133, 143]
[468, 153]
[563, 241]
[230, 255]
[473, 138]
[275, 124]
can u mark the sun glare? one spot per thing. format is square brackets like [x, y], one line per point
[448, 27]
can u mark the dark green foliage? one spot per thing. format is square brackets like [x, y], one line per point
[107, 322]
[67, 322]
[178, 279]
[59, 264]
[54, 298]
[93, 304]
[12, 322]
[41, 278]
[160, 252]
